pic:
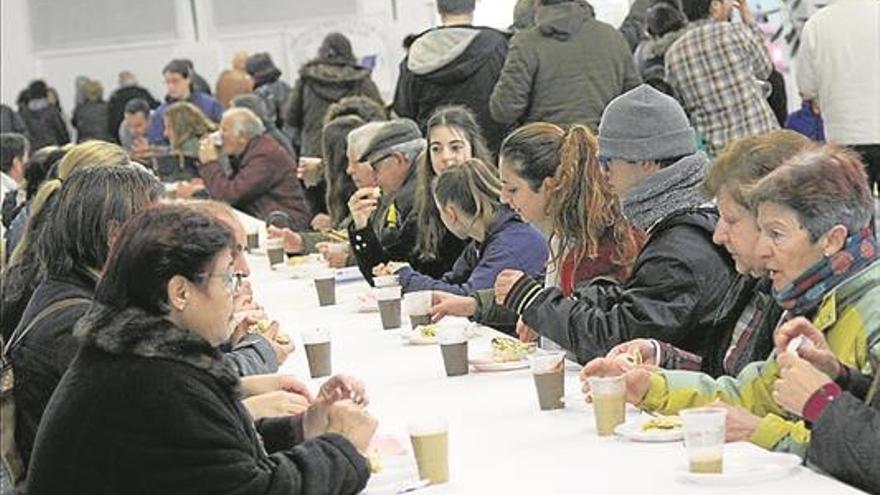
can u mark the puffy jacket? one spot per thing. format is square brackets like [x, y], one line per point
[275, 94]
[565, 70]
[677, 283]
[321, 84]
[44, 123]
[847, 316]
[510, 243]
[457, 65]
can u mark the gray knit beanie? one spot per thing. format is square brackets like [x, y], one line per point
[644, 124]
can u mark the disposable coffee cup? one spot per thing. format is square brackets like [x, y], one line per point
[454, 348]
[609, 402]
[253, 241]
[548, 370]
[418, 306]
[430, 442]
[325, 285]
[317, 344]
[275, 251]
[703, 429]
[388, 299]
[386, 281]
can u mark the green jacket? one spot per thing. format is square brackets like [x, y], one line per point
[564, 70]
[850, 318]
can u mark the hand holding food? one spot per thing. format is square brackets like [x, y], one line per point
[274, 404]
[798, 381]
[807, 342]
[635, 352]
[362, 204]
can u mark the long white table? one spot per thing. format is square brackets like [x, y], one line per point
[500, 442]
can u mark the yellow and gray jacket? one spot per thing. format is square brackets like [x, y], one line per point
[849, 315]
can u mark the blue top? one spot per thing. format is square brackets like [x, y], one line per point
[510, 243]
[206, 103]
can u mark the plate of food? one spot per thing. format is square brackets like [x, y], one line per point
[427, 334]
[652, 429]
[740, 468]
[505, 354]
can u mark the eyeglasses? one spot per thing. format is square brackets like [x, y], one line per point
[231, 280]
[379, 160]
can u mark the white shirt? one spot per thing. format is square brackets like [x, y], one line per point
[7, 183]
[839, 64]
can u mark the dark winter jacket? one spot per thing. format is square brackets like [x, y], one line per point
[321, 84]
[453, 66]
[651, 54]
[266, 182]
[10, 121]
[678, 281]
[44, 123]
[510, 243]
[147, 408]
[391, 236]
[846, 438]
[90, 121]
[206, 103]
[116, 106]
[564, 70]
[275, 94]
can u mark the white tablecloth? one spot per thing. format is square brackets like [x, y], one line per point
[500, 442]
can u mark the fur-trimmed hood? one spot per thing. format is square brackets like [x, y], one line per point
[134, 332]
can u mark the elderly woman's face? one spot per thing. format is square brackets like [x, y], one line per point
[209, 306]
[784, 245]
[737, 230]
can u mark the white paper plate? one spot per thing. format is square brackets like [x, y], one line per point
[484, 362]
[415, 337]
[743, 468]
[632, 430]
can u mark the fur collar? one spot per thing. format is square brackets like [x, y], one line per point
[134, 332]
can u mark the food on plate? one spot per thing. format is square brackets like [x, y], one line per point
[633, 356]
[665, 423]
[262, 327]
[298, 260]
[427, 331]
[505, 350]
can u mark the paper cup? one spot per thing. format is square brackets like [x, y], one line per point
[430, 442]
[388, 300]
[386, 281]
[253, 241]
[275, 250]
[317, 345]
[548, 371]
[609, 402]
[454, 349]
[418, 306]
[704, 438]
[325, 286]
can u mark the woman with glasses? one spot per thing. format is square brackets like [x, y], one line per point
[150, 406]
[93, 203]
[467, 199]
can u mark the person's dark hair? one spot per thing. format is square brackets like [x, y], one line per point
[340, 185]
[138, 105]
[408, 40]
[178, 66]
[39, 168]
[368, 109]
[430, 226]
[336, 48]
[155, 245]
[555, 2]
[662, 18]
[92, 205]
[696, 10]
[12, 146]
[37, 89]
[455, 7]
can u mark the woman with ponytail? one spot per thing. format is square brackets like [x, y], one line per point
[552, 178]
[467, 199]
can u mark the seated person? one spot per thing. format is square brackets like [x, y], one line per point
[149, 372]
[679, 278]
[842, 404]
[751, 312]
[467, 197]
[133, 129]
[266, 178]
[814, 214]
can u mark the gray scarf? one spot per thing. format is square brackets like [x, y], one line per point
[671, 189]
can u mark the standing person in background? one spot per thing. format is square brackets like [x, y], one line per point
[333, 75]
[42, 117]
[198, 82]
[90, 117]
[455, 64]
[178, 82]
[564, 70]
[845, 34]
[666, 24]
[128, 90]
[718, 69]
[268, 85]
[233, 81]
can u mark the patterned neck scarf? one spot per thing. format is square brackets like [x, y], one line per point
[806, 292]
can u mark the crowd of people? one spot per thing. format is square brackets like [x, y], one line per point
[607, 191]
